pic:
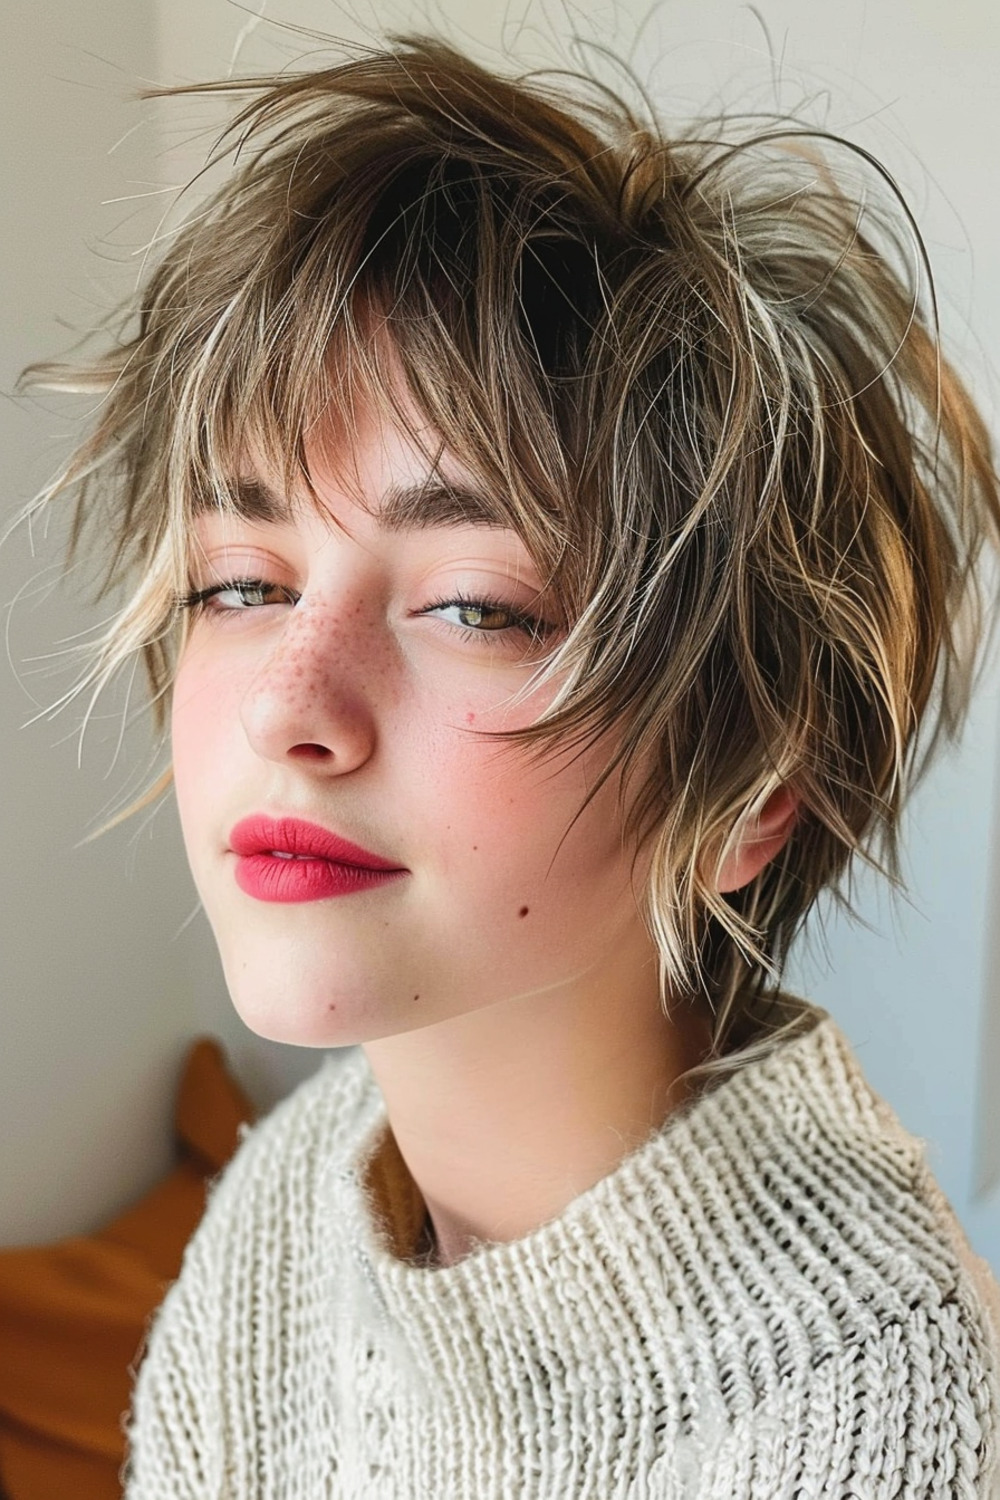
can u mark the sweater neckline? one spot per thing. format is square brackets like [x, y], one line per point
[383, 1224]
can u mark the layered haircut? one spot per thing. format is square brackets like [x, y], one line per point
[698, 375]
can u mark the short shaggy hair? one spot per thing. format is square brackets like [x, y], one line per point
[699, 377]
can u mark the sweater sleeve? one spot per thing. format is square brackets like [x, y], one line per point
[176, 1442]
[986, 1301]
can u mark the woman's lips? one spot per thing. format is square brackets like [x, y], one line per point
[284, 859]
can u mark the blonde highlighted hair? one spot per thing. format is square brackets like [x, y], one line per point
[698, 375]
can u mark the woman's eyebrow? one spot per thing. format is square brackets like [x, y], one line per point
[402, 508]
[252, 500]
[437, 503]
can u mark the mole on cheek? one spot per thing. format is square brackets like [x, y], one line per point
[416, 997]
[523, 912]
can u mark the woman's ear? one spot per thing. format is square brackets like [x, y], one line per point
[761, 839]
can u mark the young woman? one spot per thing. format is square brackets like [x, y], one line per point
[551, 538]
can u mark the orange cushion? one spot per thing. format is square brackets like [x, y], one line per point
[73, 1315]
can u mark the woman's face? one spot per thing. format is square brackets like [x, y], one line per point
[345, 683]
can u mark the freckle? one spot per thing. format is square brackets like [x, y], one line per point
[523, 912]
[416, 997]
[475, 846]
[331, 1006]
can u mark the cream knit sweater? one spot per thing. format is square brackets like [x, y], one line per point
[769, 1300]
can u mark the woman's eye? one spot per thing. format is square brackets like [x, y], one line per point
[238, 594]
[489, 617]
[480, 616]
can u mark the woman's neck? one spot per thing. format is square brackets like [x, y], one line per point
[504, 1115]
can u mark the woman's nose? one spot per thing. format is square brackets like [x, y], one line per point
[307, 701]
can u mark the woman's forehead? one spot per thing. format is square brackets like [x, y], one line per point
[373, 462]
[398, 468]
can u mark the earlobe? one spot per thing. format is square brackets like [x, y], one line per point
[762, 840]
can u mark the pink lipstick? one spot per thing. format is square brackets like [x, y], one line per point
[284, 859]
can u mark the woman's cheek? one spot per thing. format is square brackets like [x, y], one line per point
[505, 823]
[204, 716]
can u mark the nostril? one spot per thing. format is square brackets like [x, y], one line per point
[310, 752]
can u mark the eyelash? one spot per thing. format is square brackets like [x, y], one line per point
[530, 625]
[200, 597]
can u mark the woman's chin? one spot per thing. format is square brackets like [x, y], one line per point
[318, 1017]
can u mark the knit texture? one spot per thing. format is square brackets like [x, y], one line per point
[770, 1299]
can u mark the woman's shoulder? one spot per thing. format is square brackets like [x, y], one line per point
[874, 1305]
[329, 1105]
[853, 1199]
[837, 1156]
[274, 1176]
[257, 1246]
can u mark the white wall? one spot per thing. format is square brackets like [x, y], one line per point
[88, 983]
[98, 992]
[105, 994]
